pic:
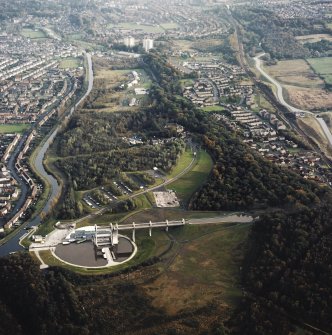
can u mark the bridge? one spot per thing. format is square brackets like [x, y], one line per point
[105, 236]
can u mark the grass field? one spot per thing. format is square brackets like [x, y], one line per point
[13, 128]
[194, 179]
[313, 38]
[295, 72]
[33, 34]
[187, 82]
[213, 108]
[169, 25]
[184, 45]
[262, 103]
[323, 67]
[304, 88]
[311, 127]
[182, 163]
[106, 78]
[313, 123]
[135, 26]
[204, 269]
[309, 99]
[70, 63]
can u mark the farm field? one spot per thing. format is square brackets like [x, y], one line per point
[303, 86]
[313, 38]
[32, 33]
[13, 128]
[323, 67]
[308, 99]
[295, 72]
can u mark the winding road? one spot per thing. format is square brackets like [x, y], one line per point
[12, 244]
[281, 99]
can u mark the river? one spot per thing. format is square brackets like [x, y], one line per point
[13, 244]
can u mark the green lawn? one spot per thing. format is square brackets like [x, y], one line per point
[323, 67]
[194, 179]
[70, 63]
[142, 202]
[213, 109]
[182, 163]
[33, 34]
[13, 128]
[187, 82]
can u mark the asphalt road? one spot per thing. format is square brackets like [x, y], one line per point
[281, 99]
[240, 218]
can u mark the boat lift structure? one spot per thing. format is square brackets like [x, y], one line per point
[111, 236]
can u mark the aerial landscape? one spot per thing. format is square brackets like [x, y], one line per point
[166, 167]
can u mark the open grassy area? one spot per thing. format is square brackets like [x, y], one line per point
[194, 179]
[303, 87]
[308, 99]
[205, 266]
[14, 128]
[182, 163]
[187, 82]
[262, 103]
[313, 38]
[323, 67]
[33, 33]
[142, 202]
[107, 79]
[183, 45]
[311, 127]
[169, 25]
[70, 63]
[135, 26]
[213, 108]
[295, 72]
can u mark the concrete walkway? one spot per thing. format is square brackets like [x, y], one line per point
[43, 264]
